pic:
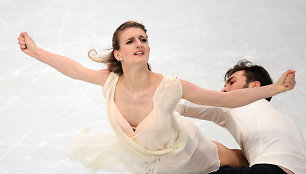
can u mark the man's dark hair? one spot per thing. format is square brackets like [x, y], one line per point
[251, 72]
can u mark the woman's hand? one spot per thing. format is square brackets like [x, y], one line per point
[26, 43]
[286, 82]
[237, 98]
[65, 65]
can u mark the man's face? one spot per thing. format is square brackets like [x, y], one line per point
[236, 81]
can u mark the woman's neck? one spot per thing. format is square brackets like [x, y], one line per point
[137, 80]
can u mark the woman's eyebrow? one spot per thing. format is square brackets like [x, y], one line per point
[131, 38]
[141, 36]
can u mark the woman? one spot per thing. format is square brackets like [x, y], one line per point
[140, 105]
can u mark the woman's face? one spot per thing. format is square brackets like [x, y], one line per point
[134, 47]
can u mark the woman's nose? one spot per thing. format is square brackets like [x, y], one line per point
[138, 43]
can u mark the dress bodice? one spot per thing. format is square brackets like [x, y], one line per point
[161, 133]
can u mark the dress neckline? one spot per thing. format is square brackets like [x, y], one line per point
[127, 128]
[125, 120]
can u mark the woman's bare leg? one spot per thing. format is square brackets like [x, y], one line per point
[230, 157]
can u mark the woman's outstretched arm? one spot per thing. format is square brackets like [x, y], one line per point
[63, 64]
[239, 97]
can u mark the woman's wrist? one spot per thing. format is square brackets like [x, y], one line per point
[276, 89]
[37, 53]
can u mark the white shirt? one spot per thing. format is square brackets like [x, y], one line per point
[264, 134]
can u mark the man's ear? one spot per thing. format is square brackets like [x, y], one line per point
[254, 84]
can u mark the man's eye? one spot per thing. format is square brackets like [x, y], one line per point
[232, 82]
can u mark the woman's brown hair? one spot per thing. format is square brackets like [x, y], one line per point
[112, 63]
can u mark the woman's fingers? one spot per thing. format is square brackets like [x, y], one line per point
[286, 81]
[21, 42]
[290, 79]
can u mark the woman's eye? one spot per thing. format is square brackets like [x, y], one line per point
[232, 82]
[128, 42]
[144, 40]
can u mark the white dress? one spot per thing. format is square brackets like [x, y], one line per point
[167, 143]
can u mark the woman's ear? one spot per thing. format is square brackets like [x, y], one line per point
[116, 54]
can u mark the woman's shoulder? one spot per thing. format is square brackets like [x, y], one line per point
[108, 77]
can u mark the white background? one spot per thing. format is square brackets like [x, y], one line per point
[197, 41]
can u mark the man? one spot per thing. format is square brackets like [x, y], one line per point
[271, 141]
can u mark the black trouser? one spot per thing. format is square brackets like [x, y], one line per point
[255, 169]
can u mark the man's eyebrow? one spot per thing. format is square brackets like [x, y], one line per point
[229, 79]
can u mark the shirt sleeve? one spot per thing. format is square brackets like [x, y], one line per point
[217, 115]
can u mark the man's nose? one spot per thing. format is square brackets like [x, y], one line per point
[224, 89]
